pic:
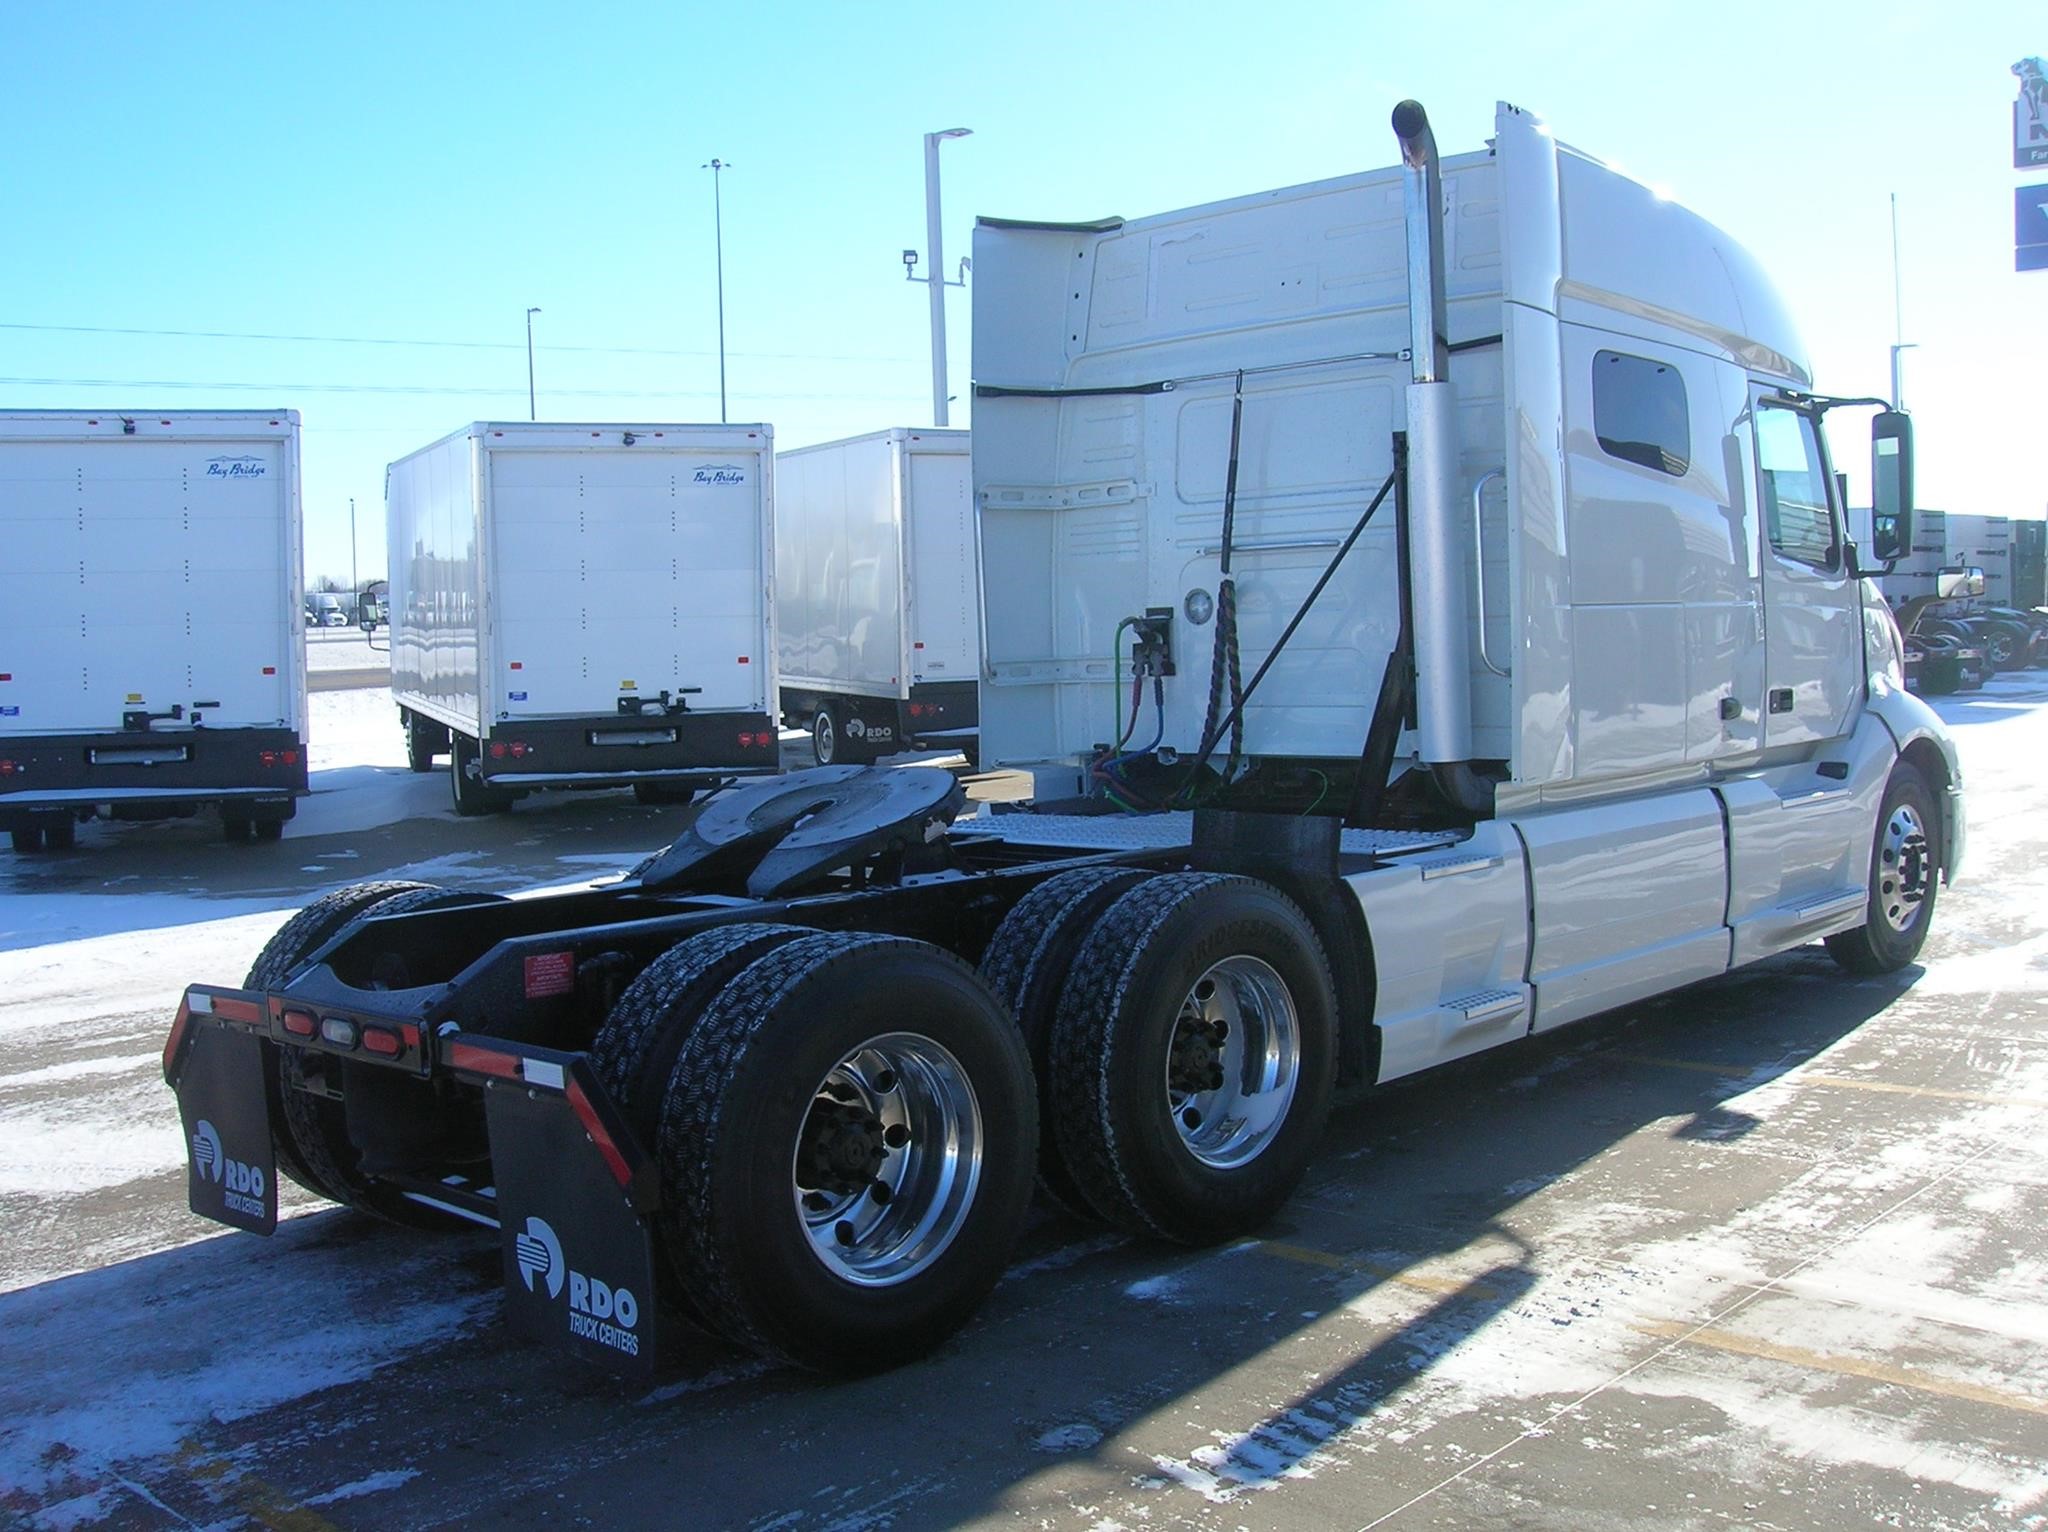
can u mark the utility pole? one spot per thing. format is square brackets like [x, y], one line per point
[1899, 342]
[354, 585]
[532, 412]
[936, 280]
[718, 167]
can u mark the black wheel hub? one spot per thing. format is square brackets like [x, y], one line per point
[1196, 1063]
[842, 1148]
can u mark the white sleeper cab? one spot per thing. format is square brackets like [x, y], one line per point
[1423, 605]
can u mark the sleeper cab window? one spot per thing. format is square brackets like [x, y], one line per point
[1639, 412]
[1794, 481]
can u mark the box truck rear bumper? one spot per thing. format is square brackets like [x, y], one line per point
[617, 749]
[942, 712]
[571, 1193]
[163, 768]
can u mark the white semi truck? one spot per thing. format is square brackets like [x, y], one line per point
[878, 622]
[1496, 656]
[579, 606]
[152, 657]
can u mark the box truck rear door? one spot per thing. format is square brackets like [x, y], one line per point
[147, 573]
[945, 618]
[628, 564]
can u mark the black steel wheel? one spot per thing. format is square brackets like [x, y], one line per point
[1905, 877]
[847, 1145]
[423, 741]
[1026, 964]
[1193, 1056]
[473, 797]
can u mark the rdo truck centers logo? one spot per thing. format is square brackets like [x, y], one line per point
[242, 1185]
[236, 468]
[720, 474]
[593, 1307]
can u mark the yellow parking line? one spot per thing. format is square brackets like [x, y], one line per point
[250, 1495]
[1420, 1281]
[1844, 1366]
[1832, 1082]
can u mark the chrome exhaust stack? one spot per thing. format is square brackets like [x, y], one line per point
[1436, 537]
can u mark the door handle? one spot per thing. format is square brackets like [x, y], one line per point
[1781, 699]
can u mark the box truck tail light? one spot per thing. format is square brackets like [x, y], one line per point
[7, 768]
[756, 741]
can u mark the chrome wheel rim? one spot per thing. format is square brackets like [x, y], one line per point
[888, 1159]
[822, 738]
[1233, 1063]
[1905, 866]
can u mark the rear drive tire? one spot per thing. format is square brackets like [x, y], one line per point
[284, 955]
[27, 842]
[834, 1062]
[317, 1126]
[1193, 1057]
[1905, 876]
[1026, 964]
[235, 828]
[60, 834]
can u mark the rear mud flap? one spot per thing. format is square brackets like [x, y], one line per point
[579, 1256]
[231, 1167]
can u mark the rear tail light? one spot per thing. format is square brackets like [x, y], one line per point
[268, 757]
[385, 1044]
[756, 741]
[300, 1023]
[8, 768]
[518, 749]
[497, 750]
[338, 1030]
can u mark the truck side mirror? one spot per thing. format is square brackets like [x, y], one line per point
[1891, 485]
[1958, 581]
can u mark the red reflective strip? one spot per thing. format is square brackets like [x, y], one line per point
[411, 1034]
[484, 1061]
[248, 1012]
[176, 1040]
[587, 1115]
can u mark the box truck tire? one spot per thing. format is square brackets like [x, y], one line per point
[472, 795]
[1905, 875]
[424, 739]
[847, 1150]
[1193, 1057]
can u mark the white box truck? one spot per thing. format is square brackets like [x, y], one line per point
[152, 657]
[1561, 686]
[877, 595]
[580, 606]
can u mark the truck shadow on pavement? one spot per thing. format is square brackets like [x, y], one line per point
[364, 1371]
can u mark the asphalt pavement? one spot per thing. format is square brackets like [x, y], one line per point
[1765, 1253]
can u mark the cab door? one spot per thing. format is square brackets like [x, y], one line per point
[1813, 666]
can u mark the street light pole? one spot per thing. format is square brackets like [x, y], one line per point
[355, 586]
[717, 168]
[532, 411]
[936, 280]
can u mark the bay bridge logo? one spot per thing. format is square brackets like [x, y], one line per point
[597, 1312]
[242, 1186]
[720, 474]
[236, 468]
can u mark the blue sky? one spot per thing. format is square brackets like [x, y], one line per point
[423, 173]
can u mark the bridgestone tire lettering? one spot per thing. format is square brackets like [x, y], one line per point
[1113, 1032]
